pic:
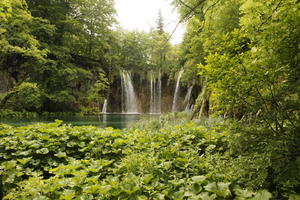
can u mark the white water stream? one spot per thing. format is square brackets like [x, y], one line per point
[155, 93]
[174, 105]
[129, 100]
[104, 108]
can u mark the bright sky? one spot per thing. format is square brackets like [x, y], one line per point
[142, 15]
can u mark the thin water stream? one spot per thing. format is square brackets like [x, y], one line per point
[174, 106]
[155, 92]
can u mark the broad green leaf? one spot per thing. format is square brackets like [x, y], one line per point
[23, 161]
[42, 151]
[61, 154]
[206, 196]
[221, 189]
[244, 193]
[262, 195]
[198, 179]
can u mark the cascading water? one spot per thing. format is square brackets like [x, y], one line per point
[155, 93]
[174, 106]
[152, 92]
[122, 93]
[129, 100]
[104, 108]
[159, 93]
[189, 109]
[188, 98]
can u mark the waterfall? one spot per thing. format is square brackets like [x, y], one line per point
[122, 93]
[152, 93]
[129, 100]
[159, 93]
[187, 98]
[104, 108]
[155, 93]
[188, 108]
[174, 106]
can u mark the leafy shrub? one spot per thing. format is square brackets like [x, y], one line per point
[257, 158]
[40, 147]
[174, 118]
[184, 161]
[24, 97]
[7, 113]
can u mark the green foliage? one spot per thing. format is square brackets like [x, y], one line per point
[64, 45]
[258, 159]
[61, 45]
[24, 97]
[134, 50]
[65, 162]
[20, 52]
[247, 59]
[247, 52]
[160, 23]
[146, 51]
[10, 114]
[98, 92]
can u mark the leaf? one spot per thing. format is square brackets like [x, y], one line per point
[10, 165]
[42, 151]
[179, 194]
[244, 193]
[196, 188]
[221, 189]
[148, 178]
[129, 188]
[262, 195]
[142, 198]
[24, 160]
[68, 195]
[61, 154]
[206, 196]
[199, 179]
[211, 187]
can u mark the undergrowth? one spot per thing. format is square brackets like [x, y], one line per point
[165, 158]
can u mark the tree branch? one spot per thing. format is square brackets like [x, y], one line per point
[186, 5]
[186, 16]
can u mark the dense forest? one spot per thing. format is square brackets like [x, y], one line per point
[62, 56]
[236, 72]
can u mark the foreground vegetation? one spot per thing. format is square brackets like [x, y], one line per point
[166, 158]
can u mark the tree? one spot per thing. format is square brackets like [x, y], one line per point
[76, 34]
[24, 97]
[134, 50]
[160, 23]
[248, 56]
[20, 52]
[98, 92]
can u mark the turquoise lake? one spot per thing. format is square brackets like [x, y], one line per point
[119, 121]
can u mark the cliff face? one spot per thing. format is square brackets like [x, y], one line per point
[154, 93]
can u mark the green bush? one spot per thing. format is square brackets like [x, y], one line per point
[24, 97]
[257, 158]
[7, 114]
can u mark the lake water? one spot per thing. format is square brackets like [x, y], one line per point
[119, 121]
